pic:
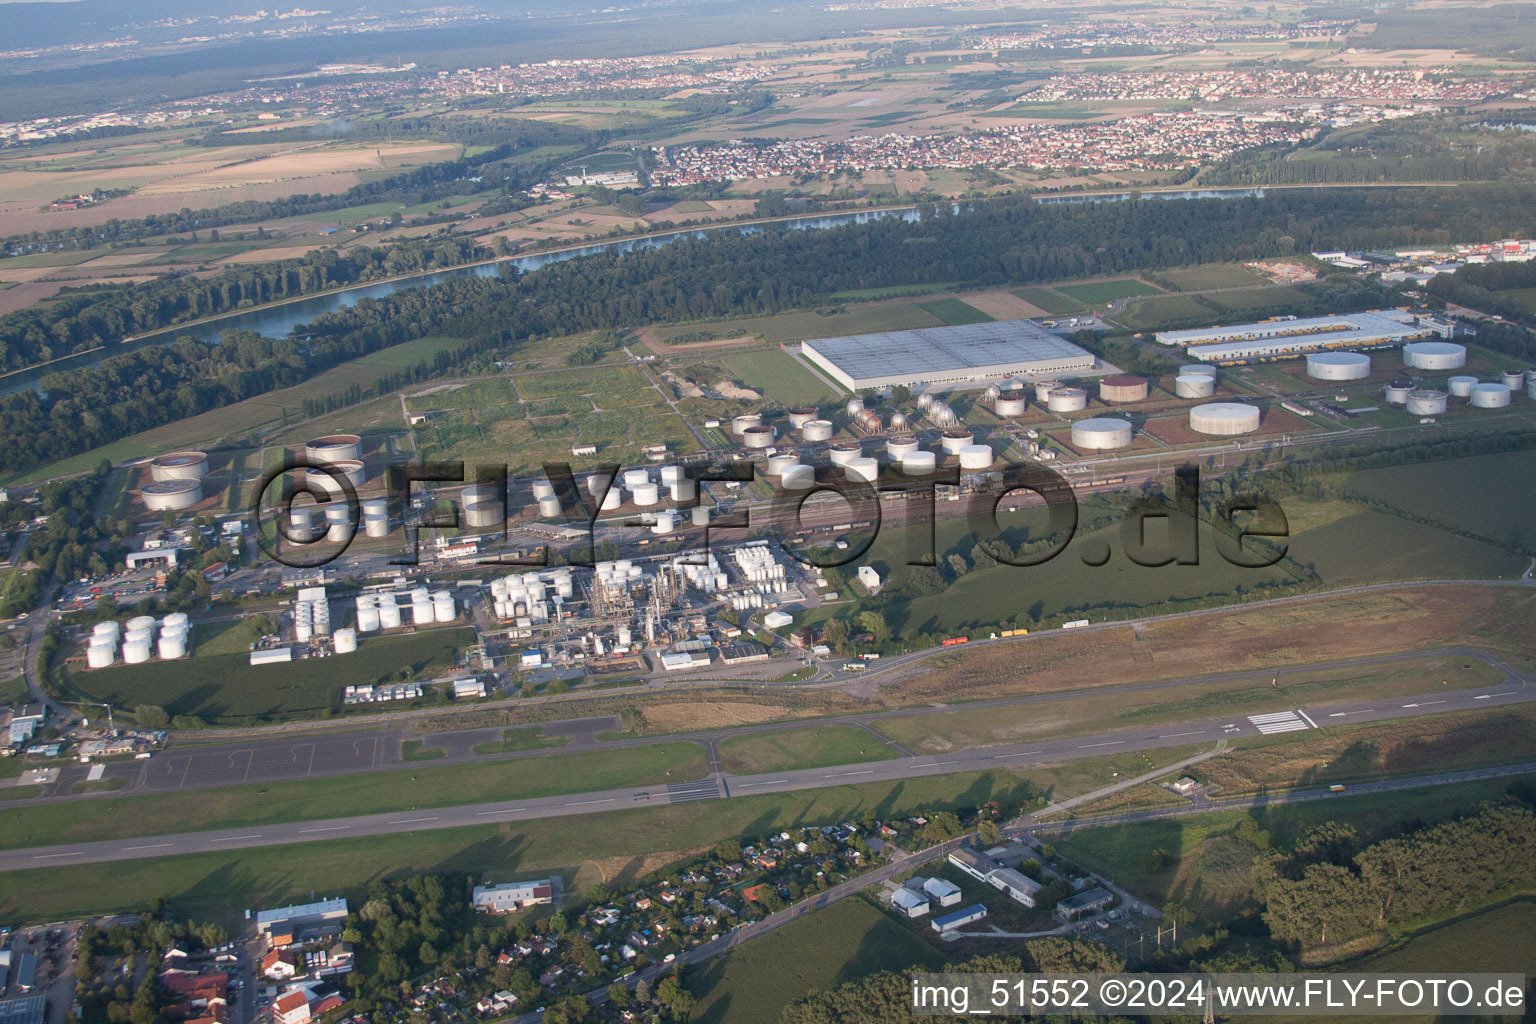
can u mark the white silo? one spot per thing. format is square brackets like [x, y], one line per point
[862, 468]
[1490, 396]
[442, 606]
[304, 631]
[345, 641]
[338, 525]
[665, 523]
[919, 463]
[1067, 400]
[389, 615]
[1426, 402]
[976, 456]
[1461, 386]
[376, 526]
[798, 478]
[1194, 385]
[817, 430]
[700, 515]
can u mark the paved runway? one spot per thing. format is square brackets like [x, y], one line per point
[726, 786]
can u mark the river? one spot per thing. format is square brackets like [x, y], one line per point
[279, 320]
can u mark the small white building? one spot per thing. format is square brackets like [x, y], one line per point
[942, 892]
[909, 902]
[870, 579]
[777, 620]
[504, 899]
[468, 688]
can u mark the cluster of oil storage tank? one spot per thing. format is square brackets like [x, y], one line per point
[1480, 394]
[937, 410]
[531, 597]
[706, 578]
[312, 618]
[138, 640]
[761, 573]
[1195, 380]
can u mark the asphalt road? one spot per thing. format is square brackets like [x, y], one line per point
[276, 759]
[719, 785]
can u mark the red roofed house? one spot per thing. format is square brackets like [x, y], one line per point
[329, 1003]
[752, 892]
[276, 967]
[292, 1008]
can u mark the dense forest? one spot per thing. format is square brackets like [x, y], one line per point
[1479, 286]
[86, 318]
[1004, 241]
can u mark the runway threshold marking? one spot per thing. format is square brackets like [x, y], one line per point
[1277, 722]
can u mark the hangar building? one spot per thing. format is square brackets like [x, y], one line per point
[962, 354]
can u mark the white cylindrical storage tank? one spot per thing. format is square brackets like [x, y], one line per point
[140, 622]
[1338, 365]
[1067, 400]
[800, 417]
[817, 430]
[389, 616]
[844, 453]
[1426, 402]
[345, 641]
[549, 506]
[368, 618]
[898, 446]
[376, 526]
[334, 448]
[442, 607]
[862, 468]
[179, 466]
[1224, 418]
[301, 523]
[171, 495]
[542, 488]
[1123, 387]
[778, 463]
[598, 483]
[324, 484]
[646, 495]
[1434, 355]
[338, 525]
[671, 475]
[107, 628]
[919, 463]
[636, 478]
[975, 456]
[757, 436]
[1461, 387]
[1490, 396]
[701, 515]
[1044, 388]
[683, 490]
[664, 523]
[1194, 385]
[1010, 403]
[1197, 369]
[421, 609]
[798, 478]
[1398, 392]
[1530, 376]
[612, 500]
[1513, 379]
[175, 620]
[740, 424]
[952, 441]
[136, 652]
[100, 655]
[1101, 434]
[375, 507]
[1530, 389]
[172, 646]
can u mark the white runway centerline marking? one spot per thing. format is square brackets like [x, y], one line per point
[327, 828]
[508, 810]
[236, 839]
[149, 846]
[409, 821]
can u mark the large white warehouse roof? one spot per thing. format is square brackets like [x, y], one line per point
[965, 353]
[1292, 337]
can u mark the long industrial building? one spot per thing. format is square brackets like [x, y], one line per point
[963, 354]
[1278, 339]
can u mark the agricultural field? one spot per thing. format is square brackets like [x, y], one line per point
[778, 376]
[861, 318]
[954, 311]
[1164, 310]
[846, 941]
[1374, 547]
[225, 688]
[1210, 275]
[1489, 495]
[1100, 293]
[1049, 299]
[813, 747]
[1247, 300]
